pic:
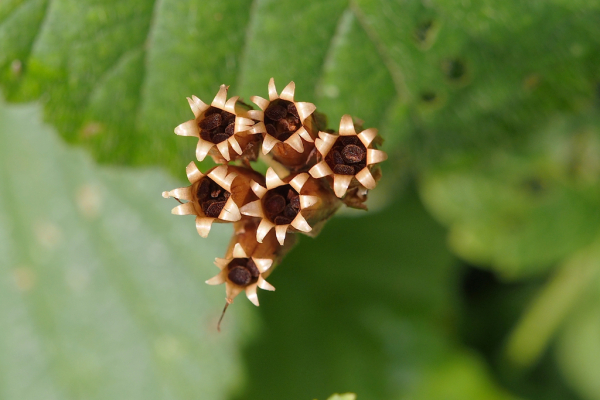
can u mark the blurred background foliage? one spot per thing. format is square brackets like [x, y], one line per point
[474, 275]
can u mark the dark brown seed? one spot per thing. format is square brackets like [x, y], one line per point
[290, 212]
[358, 167]
[343, 169]
[215, 192]
[271, 130]
[293, 122]
[295, 202]
[203, 189]
[353, 154]
[275, 204]
[229, 129]
[284, 136]
[227, 115]
[251, 266]
[219, 137]
[283, 126]
[275, 112]
[292, 109]
[290, 194]
[229, 119]
[206, 135]
[212, 110]
[226, 194]
[211, 122]
[239, 275]
[281, 220]
[215, 209]
[346, 140]
[337, 157]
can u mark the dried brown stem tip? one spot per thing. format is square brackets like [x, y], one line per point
[216, 196]
[247, 263]
[348, 157]
[222, 128]
[288, 126]
[285, 205]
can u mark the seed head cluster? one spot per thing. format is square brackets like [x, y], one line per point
[312, 172]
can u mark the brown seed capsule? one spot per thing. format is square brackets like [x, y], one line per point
[223, 129]
[274, 204]
[214, 209]
[291, 141]
[343, 169]
[348, 158]
[353, 153]
[295, 204]
[276, 112]
[247, 263]
[216, 196]
[239, 275]
[211, 122]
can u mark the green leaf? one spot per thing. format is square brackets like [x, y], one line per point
[371, 305]
[522, 210]
[102, 290]
[441, 76]
[578, 348]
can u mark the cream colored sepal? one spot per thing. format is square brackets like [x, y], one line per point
[263, 229]
[272, 180]
[280, 231]
[341, 183]
[221, 98]
[375, 156]
[183, 193]
[193, 173]
[367, 136]
[300, 223]
[203, 148]
[295, 142]
[197, 106]
[261, 103]
[268, 143]
[304, 109]
[366, 178]
[203, 225]
[325, 142]
[253, 209]
[184, 209]
[320, 170]
[230, 211]
[298, 181]
[220, 177]
[188, 128]
[347, 126]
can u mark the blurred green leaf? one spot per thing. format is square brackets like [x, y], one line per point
[522, 210]
[370, 306]
[102, 291]
[447, 77]
[578, 349]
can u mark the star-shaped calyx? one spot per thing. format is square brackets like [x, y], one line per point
[287, 125]
[346, 156]
[220, 127]
[214, 197]
[240, 273]
[281, 205]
